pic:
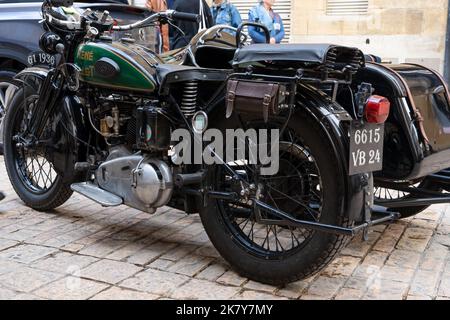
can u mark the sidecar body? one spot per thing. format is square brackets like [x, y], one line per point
[417, 133]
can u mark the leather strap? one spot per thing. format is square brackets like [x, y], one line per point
[267, 101]
[231, 97]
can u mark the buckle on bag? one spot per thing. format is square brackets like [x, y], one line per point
[267, 100]
[230, 105]
[231, 96]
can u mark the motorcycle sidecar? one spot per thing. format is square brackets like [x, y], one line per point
[417, 136]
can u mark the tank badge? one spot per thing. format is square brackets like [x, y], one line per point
[87, 55]
[106, 68]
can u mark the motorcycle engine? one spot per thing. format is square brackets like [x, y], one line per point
[143, 183]
[142, 125]
[137, 133]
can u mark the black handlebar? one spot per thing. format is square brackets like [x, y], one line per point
[253, 24]
[186, 16]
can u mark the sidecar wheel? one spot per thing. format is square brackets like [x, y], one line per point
[30, 171]
[294, 253]
[405, 212]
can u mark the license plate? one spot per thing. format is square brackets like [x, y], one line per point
[366, 147]
[40, 58]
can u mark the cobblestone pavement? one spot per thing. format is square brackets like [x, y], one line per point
[84, 251]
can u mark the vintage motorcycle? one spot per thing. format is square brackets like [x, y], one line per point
[100, 123]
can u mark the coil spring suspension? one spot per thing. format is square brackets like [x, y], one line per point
[189, 99]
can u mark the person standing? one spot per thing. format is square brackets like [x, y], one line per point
[158, 6]
[170, 4]
[223, 12]
[190, 29]
[263, 13]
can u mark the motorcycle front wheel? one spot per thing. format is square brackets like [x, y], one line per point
[308, 186]
[30, 169]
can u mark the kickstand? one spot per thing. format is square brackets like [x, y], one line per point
[365, 235]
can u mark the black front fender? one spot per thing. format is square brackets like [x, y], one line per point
[72, 136]
[70, 130]
[31, 73]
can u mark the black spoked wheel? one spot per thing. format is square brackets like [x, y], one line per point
[29, 163]
[36, 172]
[295, 189]
[383, 193]
[260, 245]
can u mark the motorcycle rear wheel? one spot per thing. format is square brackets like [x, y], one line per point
[30, 171]
[318, 184]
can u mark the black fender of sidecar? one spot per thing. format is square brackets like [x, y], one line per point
[417, 133]
[334, 122]
[69, 134]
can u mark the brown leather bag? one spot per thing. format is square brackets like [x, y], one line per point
[252, 97]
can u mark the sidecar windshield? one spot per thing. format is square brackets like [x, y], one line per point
[214, 47]
[221, 35]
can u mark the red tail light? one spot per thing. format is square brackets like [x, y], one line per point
[377, 109]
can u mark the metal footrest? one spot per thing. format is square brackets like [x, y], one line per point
[93, 192]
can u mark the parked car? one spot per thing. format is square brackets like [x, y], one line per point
[20, 31]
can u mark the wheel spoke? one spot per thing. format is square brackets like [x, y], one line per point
[309, 210]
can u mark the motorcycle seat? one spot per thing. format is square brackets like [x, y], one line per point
[173, 73]
[305, 55]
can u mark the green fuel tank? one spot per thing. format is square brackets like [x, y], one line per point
[117, 65]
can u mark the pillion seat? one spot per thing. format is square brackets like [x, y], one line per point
[173, 73]
[299, 55]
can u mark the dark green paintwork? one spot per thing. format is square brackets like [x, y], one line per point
[136, 65]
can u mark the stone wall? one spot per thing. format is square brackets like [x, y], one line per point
[398, 31]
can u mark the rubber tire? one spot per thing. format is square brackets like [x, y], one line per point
[57, 195]
[317, 253]
[6, 76]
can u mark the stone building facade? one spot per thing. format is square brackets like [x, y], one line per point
[398, 31]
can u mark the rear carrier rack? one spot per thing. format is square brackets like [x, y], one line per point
[314, 62]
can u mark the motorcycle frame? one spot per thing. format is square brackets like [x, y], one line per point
[329, 116]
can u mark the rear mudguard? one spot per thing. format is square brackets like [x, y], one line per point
[70, 129]
[420, 110]
[334, 122]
